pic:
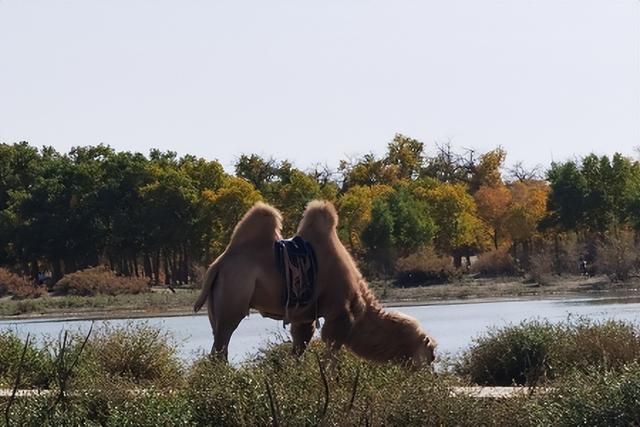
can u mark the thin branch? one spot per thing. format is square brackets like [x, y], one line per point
[354, 390]
[7, 410]
[63, 372]
[272, 405]
[326, 388]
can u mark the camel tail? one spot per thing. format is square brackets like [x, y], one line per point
[207, 285]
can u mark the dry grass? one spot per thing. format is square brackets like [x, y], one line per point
[494, 264]
[425, 267]
[618, 255]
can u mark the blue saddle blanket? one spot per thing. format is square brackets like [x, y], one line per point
[298, 265]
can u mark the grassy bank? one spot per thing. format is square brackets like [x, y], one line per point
[132, 376]
[162, 301]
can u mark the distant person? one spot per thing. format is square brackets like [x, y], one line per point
[583, 267]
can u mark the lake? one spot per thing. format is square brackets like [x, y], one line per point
[453, 325]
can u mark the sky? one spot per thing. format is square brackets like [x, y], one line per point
[315, 82]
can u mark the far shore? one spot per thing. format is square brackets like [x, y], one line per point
[163, 303]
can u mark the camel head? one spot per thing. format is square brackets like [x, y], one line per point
[425, 352]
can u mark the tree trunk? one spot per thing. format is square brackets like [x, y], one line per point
[56, 273]
[146, 262]
[167, 274]
[156, 267]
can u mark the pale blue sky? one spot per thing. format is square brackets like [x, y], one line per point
[315, 81]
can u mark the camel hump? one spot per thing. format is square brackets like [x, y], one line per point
[261, 222]
[319, 215]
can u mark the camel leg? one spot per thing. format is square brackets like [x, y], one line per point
[301, 334]
[230, 305]
[335, 333]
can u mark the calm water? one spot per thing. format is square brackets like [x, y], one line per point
[453, 325]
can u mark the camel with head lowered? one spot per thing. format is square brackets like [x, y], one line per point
[246, 276]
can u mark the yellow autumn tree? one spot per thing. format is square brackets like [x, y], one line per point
[528, 206]
[354, 208]
[459, 230]
[225, 207]
[493, 208]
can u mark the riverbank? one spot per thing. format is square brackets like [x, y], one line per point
[163, 302]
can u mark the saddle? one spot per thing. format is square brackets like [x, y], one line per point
[296, 261]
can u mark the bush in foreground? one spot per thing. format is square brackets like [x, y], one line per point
[136, 355]
[535, 351]
[276, 388]
[37, 364]
[601, 398]
[99, 280]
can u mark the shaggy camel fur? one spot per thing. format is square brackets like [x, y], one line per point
[246, 276]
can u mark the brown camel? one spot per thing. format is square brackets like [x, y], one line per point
[246, 276]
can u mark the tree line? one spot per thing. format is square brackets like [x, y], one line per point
[162, 216]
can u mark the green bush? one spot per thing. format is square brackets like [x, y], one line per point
[99, 280]
[601, 398]
[519, 354]
[133, 354]
[37, 368]
[535, 351]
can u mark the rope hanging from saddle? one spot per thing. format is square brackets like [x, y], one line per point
[299, 267]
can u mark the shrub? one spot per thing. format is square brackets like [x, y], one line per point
[18, 287]
[37, 365]
[495, 263]
[519, 354]
[99, 280]
[605, 345]
[532, 352]
[357, 393]
[617, 256]
[601, 398]
[425, 267]
[541, 266]
[141, 355]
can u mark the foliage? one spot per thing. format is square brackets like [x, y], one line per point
[37, 364]
[495, 263]
[99, 280]
[493, 208]
[134, 354]
[355, 211]
[164, 217]
[454, 212]
[425, 267]
[399, 221]
[537, 351]
[17, 286]
[596, 383]
[598, 398]
[618, 254]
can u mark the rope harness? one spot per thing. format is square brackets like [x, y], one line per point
[298, 265]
